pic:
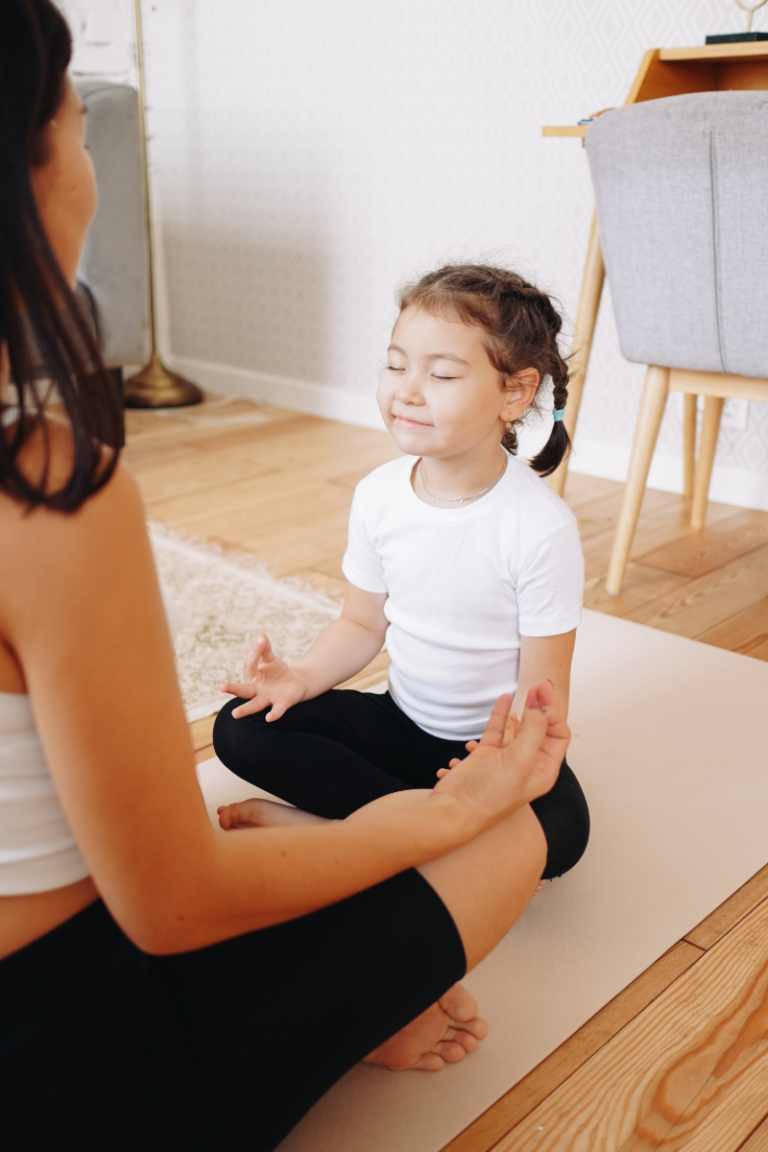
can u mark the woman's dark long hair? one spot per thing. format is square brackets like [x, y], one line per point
[49, 342]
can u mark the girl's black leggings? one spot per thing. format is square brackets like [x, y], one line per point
[333, 754]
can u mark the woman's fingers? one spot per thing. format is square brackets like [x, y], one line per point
[544, 725]
[543, 694]
[545, 697]
[532, 733]
[514, 762]
[497, 722]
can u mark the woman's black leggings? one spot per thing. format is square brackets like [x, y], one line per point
[333, 754]
[105, 1048]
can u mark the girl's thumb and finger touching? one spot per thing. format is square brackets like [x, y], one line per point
[247, 709]
[267, 653]
[251, 662]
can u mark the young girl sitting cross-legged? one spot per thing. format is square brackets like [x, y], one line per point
[459, 556]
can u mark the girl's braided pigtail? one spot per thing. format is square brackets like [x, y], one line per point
[556, 448]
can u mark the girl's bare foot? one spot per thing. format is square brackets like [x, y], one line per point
[444, 1034]
[263, 814]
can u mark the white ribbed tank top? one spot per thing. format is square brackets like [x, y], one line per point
[37, 849]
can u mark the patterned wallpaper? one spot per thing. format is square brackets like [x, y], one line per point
[311, 155]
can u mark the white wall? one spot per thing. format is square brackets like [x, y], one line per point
[310, 154]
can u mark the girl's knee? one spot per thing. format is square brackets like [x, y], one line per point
[222, 726]
[231, 738]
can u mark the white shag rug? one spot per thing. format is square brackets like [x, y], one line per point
[222, 599]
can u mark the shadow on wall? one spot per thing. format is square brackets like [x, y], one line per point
[250, 304]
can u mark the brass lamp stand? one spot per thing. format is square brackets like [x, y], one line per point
[154, 386]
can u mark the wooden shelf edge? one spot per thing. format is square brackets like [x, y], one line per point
[716, 52]
[564, 130]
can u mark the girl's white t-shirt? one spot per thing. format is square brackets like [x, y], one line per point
[464, 584]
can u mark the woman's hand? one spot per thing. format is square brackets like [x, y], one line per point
[515, 761]
[268, 680]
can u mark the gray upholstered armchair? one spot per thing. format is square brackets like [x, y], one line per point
[682, 202]
[114, 267]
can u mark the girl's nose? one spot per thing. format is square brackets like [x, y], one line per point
[408, 391]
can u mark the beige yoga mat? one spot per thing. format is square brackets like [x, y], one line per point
[670, 742]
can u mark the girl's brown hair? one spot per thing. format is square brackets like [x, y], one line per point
[521, 325]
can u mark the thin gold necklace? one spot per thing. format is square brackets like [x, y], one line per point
[459, 499]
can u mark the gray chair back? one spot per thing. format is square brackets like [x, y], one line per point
[115, 261]
[682, 201]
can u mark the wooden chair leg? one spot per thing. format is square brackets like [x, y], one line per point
[649, 418]
[584, 330]
[710, 429]
[690, 404]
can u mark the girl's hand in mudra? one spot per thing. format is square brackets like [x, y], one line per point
[515, 761]
[267, 680]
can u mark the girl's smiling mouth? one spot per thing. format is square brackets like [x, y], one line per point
[407, 422]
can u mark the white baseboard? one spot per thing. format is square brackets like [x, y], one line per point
[318, 400]
[729, 485]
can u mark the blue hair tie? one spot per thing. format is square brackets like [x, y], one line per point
[558, 414]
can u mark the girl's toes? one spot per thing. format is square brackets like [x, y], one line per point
[443, 1034]
[458, 1004]
[465, 1039]
[476, 1028]
[451, 1051]
[429, 1062]
[459, 1036]
[242, 815]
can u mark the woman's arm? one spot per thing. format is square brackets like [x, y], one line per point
[545, 658]
[342, 649]
[81, 610]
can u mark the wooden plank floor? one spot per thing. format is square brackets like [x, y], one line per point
[679, 1059]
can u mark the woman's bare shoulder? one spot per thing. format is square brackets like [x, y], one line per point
[42, 543]
[61, 567]
[52, 445]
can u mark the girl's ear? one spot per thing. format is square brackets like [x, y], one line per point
[522, 387]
